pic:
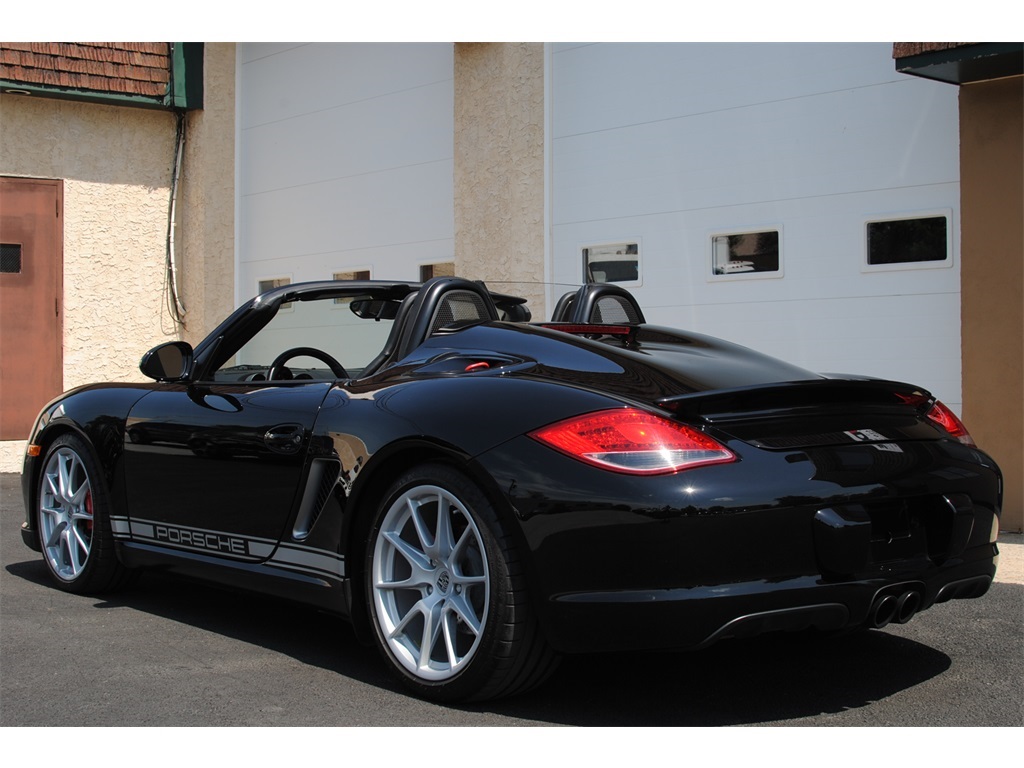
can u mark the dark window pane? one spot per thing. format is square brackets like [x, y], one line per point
[907, 241]
[614, 263]
[748, 252]
[10, 258]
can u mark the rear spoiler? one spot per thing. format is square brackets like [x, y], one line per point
[791, 398]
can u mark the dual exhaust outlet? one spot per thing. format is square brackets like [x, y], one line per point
[899, 608]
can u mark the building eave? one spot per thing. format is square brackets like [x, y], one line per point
[964, 64]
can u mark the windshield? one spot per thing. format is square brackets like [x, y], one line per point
[326, 325]
[325, 337]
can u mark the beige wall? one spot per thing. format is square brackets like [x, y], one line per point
[499, 162]
[205, 230]
[992, 277]
[116, 164]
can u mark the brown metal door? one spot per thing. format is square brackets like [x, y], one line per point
[31, 301]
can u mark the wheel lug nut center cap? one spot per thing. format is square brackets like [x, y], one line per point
[443, 581]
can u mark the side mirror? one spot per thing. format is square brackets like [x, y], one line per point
[168, 362]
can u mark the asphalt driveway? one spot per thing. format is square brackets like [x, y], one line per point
[174, 652]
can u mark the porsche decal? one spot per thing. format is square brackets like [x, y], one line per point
[294, 557]
[218, 542]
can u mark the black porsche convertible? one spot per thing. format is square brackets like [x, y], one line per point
[479, 493]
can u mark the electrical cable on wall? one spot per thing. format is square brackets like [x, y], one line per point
[174, 303]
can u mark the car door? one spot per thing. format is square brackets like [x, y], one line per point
[215, 467]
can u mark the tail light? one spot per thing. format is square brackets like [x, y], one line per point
[948, 420]
[633, 441]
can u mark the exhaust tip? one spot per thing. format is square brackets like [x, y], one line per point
[884, 611]
[906, 606]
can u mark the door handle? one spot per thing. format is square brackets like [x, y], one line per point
[284, 438]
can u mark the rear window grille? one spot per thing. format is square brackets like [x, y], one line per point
[458, 308]
[614, 309]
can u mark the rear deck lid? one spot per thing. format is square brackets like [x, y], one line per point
[815, 413]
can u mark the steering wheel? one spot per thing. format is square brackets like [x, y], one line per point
[279, 372]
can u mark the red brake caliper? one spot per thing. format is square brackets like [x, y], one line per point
[88, 508]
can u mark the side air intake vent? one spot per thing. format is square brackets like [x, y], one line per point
[323, 474]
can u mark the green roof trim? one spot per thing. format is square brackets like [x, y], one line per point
[186, 91]
[72, 94]
[967, 63]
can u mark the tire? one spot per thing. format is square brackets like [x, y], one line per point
[73, 515]
[448, 601]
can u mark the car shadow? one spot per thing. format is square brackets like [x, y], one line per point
[780, 677]
[311, 637]
[763, 680]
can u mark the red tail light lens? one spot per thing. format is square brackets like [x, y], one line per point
[633, 441]
[948, 420]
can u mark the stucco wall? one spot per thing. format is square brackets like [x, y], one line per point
[499, 162]
[205, 235]
[992, 185]
[115, 163]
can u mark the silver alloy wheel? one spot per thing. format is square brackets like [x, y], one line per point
[431, 587]
[66, 514]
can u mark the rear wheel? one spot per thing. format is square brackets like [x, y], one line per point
[446, 592]
[73, 518]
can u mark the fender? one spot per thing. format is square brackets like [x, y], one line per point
[96, 412]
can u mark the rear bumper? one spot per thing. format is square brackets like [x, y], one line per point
[697, 617]
[778, 541]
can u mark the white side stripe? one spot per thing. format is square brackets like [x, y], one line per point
[294, 557]
[308, 559]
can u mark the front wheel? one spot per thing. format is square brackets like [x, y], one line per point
[447, 594]
[73, 517]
